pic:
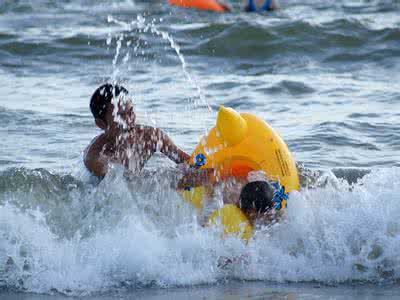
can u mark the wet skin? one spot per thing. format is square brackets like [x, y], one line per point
[127, 143]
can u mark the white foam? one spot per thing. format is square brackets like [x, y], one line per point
[150, 237]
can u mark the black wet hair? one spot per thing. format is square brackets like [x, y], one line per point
[258, 196]
[103, 96]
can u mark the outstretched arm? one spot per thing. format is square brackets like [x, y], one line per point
[161, 142]
[196, 177]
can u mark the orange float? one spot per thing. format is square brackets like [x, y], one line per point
[199, 4]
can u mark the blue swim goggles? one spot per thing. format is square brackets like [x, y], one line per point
[251, 6]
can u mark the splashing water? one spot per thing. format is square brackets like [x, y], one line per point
[63, 233]
[141, 25]
[139, 233]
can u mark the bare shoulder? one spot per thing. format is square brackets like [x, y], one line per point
[92, 156]
[94, 144]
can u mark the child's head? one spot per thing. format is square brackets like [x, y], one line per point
[102, 106]
[257, 198]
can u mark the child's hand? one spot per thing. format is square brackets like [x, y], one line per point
[194, 177]
[224, 262]
[183, 167]
[186, 181]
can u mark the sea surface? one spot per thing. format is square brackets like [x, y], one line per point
[324, 73]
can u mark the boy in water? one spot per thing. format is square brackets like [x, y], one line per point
[127, 143]
[259, 201]
[254, 195]
[123, 141]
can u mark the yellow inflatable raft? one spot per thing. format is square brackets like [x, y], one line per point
[238, 144]
[233, 220]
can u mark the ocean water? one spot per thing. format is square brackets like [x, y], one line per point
[325, 74]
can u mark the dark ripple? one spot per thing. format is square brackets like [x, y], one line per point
[242, 103]
[258, 44]
[373, 55]
[351, 142]
[338, 41]
[361, 7]
[33, 138]
[20, 48]
[78, 46]
[7, 36]
[20, 118]
[288, 87]
[22, 179]
[364, 115]
[268, 48]
[14, 7]
[80, 41]
[392, 35]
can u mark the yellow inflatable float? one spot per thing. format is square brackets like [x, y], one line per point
[237, 145]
